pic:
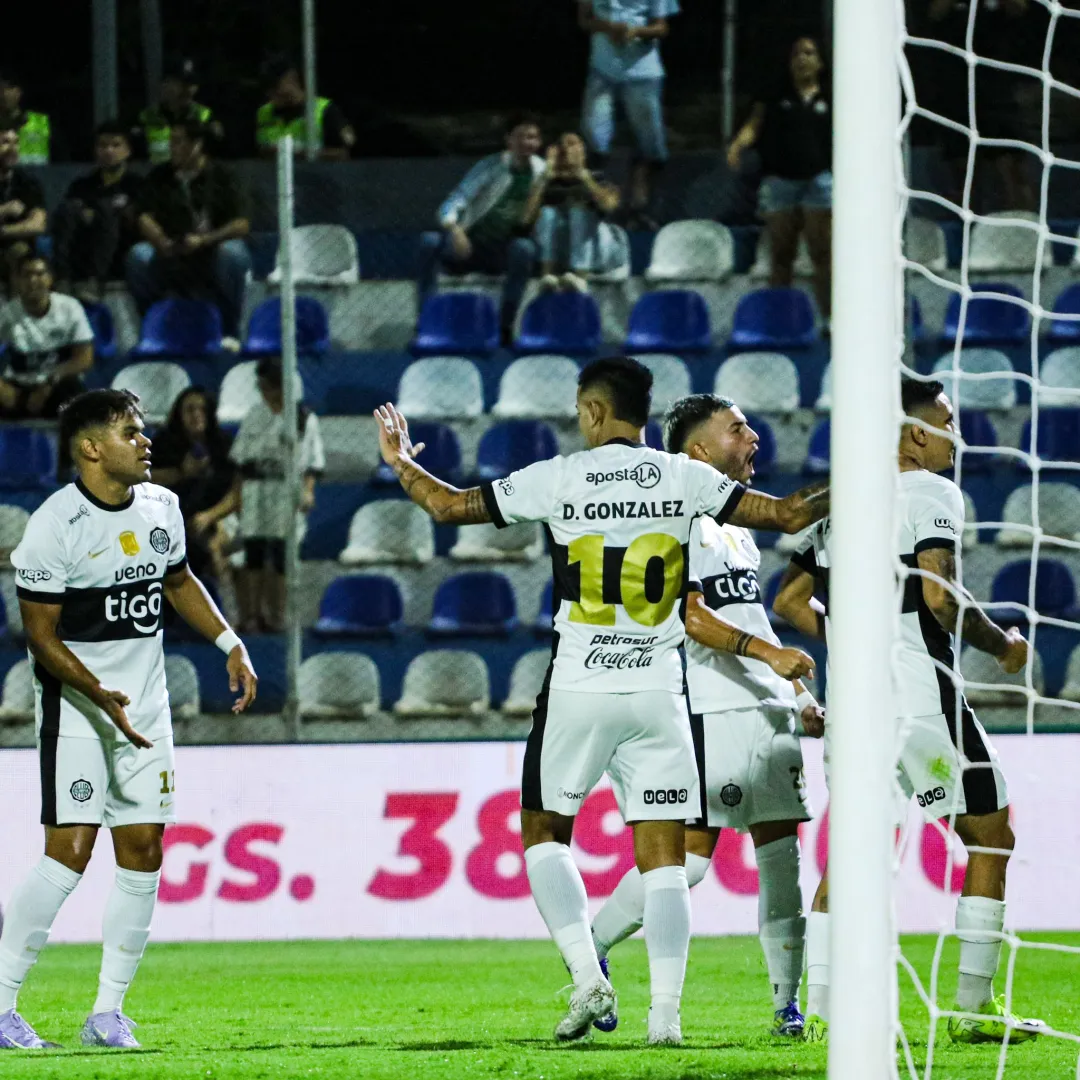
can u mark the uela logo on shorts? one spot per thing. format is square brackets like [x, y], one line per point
[82, 790]
[129, 544]
[159, 541]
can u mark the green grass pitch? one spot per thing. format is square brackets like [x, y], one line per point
[451, 1009]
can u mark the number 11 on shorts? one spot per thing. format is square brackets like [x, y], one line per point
[168, 781]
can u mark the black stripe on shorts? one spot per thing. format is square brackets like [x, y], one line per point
[50, 734]
[697, 732]
[532, 793]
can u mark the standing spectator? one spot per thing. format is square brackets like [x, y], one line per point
[192, 216]
[261, 493]
[569, 204]
[483, 224]
[179, 85]
[792, 128]
[285, 113]
[49, 345]
[625, 66]
[94, 226]
[35, 137]
[22, 206]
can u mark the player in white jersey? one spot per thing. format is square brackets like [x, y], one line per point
[742, 706]
[945, 758]
[94, 566]
[618, 519]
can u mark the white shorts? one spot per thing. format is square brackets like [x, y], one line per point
[87, 781]
[750, 767]
[642, 740]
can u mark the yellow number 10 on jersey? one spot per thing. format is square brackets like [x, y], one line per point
[588, 552]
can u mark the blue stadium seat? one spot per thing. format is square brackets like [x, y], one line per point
[989, 319]
[312, 328]
[441, 455]
[654, 435]
[546, 615]
[977, 431]
[560, 322]
[818, 453]
[512, 445]
[474, 603]
[457, 323]
[180, 329]
[101, 322]
[27, 459]
[765, 460]
[1055, 591]
[1058, 438]
[669, 321]
[1066, 331]
[360, 605]
[774, 319]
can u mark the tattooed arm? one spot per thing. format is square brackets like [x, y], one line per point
[792, 514]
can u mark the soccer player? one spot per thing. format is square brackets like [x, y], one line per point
[946, 760]
[94, 565]
[618, 519]
[742, 715]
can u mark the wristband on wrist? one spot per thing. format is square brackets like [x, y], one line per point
[804, 699]
[227, 640]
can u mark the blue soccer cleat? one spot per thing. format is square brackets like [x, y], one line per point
[788, 1021]
[609, 1021]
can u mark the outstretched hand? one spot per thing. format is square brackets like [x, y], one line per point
[241, 677]
[112, 703]
[394, 441]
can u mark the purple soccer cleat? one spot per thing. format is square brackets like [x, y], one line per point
[110, 1029]
[17, 1034]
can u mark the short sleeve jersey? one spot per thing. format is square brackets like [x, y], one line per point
[636, 59]
[35, 346]
[724, 564]
[105, 566]
[618, 521]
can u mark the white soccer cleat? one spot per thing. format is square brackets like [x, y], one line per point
[587, 1003]
[665, 1028]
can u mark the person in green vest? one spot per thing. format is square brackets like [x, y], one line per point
[179, 85]
[285, 114]
[33, 127]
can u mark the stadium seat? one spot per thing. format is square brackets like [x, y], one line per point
[321, 255]
[1065, 330]
[1071, 690]
[478, 602]
[824, 398]
[13, 521]
[538, 387]
[27, 458]
[182, 679]
[511, 445]
[157, 382]
[992, 381]
[101, 322]
[765, 459]
[773, 319]
[312, 328]
[971, 536]
[441, 455]
[1055, 591]
[526, 680]
[360, 605]
[915, 328]
[338, 685]
[441, 388]
[546, 615]
[1058, 438]
[671, 320]
[389, 531]
[456, 322]
[1007, 243]
[990, 319]
[180, 329]
[818, 452]
[1059, 513]
[997, 688]
[1059, 379]
[671, 380]
[654, 435]
[445, 682]
[977, 431]
[924, 243]
[759, 381]
[240, 390]
[487, 543]
[17, 698]
[560, 322]
[692, 251]
[762, 267]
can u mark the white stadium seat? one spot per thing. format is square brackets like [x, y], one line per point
[1059, 513]
[389, 531]
[333, 685]
[1071, 690]
[824, 398]
[240, 390]
[445, 682]
[924, 243]
[997, 390]
[671, 380]
[759, 382]
[525, 682]
[321, 255]
[538, 388]
[17, 700]
[158, 383]
[1008, 242]
[13, 521]
[692, 251]
[182, 680]
[980, 667]
[441, 388]
[1059, 379]
[971, 537]
[486, 543]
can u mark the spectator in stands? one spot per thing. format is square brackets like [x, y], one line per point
[179, 85]
[792, 129]
[192, 217]
[264, 497]
[569, 204]
[94, 226]
[33, 127]
[48, 345]
[625, 66]
[285, 113]
[22, 207]
[483, 223]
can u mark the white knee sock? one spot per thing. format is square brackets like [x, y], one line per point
[28, 919]
[667, 934]
[781, 926]
[980, 951]
[125, 931]
[817, 964]
[559, 893]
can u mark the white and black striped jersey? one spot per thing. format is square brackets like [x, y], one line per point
[618, 523]
[104, 565]
[724, 565]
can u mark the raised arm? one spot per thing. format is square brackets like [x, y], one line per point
[791, 514]
[796, 605]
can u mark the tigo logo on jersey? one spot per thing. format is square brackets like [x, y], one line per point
[159, 541]
[129, 545]
[646, 475]
[143, 608]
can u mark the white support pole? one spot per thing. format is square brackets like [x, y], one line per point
[289, 381]
[727, 74]
[862, 590]
[311, 145]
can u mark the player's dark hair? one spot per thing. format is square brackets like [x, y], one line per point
[111, 127]
[687, 414]
[517, 119]
[269, 369]
[918, 394]
[627, 383]
[94, 408]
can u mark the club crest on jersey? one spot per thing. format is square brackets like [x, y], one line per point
[159, 540]
[82, 791]
[129, 544]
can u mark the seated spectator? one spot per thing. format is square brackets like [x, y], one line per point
[94, 226]
[569, 204]
[285, 113]
[49, 345]
[192, 216]
[483, 225]
[22, 207]
[179, 85]
[264, 497]
[793, 130]
[33, 127]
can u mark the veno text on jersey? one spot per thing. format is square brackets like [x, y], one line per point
[668, 508]
[638, 654]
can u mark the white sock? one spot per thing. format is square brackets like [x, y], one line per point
[980, 952]
[559, 893]
[28, 918]
[124, 933]
[667, 934]
[781, 926]
[817, 964]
